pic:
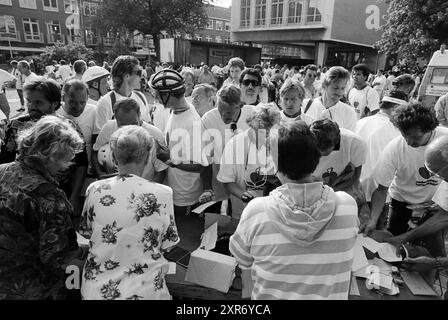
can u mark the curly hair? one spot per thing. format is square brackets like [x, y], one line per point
[415, 115]
[236, 62]
[327, 133]
[251, 72]
[50, 138]
[363, 68]
[264, 116]
[131, 144]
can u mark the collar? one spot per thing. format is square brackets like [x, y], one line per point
[294, 116]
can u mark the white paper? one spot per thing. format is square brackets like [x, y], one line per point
[81, 240]
[370, 244]
[388, 253]
[203, 207]
[209, 237]
[359, 259]
[171, 268]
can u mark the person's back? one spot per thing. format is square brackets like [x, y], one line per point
[300, 250]
[299, 241]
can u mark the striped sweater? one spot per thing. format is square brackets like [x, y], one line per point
[298, 243]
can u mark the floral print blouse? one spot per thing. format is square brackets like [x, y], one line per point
[130, 223]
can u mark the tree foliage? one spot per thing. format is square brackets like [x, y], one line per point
[122, 17]
[70, 53]
[414, 28]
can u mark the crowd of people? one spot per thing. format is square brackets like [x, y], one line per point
[305, 159]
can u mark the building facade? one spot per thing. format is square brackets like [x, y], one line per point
[327, 32]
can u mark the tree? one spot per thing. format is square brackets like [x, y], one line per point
[70, 53]
[414, 29]
[122, 17]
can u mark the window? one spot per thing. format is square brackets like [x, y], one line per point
[91, 38]
[440, 76]
[90, 9]
[295, 11]
[314, 14]
[245, 13]
[71, 6]
[28, 4]
[50, 5]
[227, 26]
[54, 31]
[260, 12]
[277, 12]
[6, 2]
[220, 25]
[218, 39]
[209, 24]
[31, 29]
[8, 27]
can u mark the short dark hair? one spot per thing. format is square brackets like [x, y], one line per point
[79, 66]
[63, 62]
[415, 115]
[126, 105]
[327, 133]
[298, 155]
[311, 67]
[76, 84]
[394, 94]
[48, 87]
[122, 66]
[363, 68]
[251, 72]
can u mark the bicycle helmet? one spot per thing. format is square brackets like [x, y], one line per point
[167, 81]
[94, 73]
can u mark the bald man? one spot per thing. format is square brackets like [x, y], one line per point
[436, 161]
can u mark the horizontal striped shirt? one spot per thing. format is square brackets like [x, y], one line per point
[282, 268]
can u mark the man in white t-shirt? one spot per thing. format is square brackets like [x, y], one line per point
[76, 108]
[436, 161]
[19, 84]
[401, 170]
[186, 155]
[127, 112]
[329, 105]
[292, 94]
[27, 75]
[377, 131]
[64, 72]
[380, 82]
[222, 123]
[126, 75]
[362, 97]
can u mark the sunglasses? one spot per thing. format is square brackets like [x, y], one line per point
[138, 72]
[254, 83]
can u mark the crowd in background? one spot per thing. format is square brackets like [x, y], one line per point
[305, 157]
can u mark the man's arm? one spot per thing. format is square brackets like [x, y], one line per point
[344, 185]
[379, 197]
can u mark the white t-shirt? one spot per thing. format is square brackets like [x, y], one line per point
[186, 137]
[30, 78]
[304, 117]
[86, 122]
[160, 116]
[352, 150]
[441, 196]
[402, 169]
[19, 80]
[153, 165]
[341, 113]
[382, 80]
[104, 110]
[65, 72]
[360, 99]
[221, 134]
[377, 131]
[245, 165]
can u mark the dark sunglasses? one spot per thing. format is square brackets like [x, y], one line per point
[138, 72]
[247, 82]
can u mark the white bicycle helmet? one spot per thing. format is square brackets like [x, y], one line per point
[167, 81]
[94, 73]
[106, 160]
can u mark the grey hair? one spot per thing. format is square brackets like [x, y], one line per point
[264, 116]
[50, 138]
[335, 74]
[208, 89]
[291, 84]
[131, 144]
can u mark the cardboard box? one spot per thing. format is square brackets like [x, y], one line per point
[211, 270]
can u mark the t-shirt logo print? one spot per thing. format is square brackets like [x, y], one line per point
[329, 176]
[425, 174]
[257, 180]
